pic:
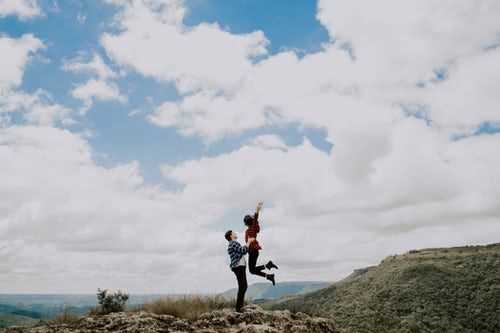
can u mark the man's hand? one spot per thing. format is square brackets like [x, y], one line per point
[259, 206]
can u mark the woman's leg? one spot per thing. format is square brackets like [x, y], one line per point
[252, 264]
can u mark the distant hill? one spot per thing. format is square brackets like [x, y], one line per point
[432, 290]
[20, 311]
[19, 316]
[27, 309]
[7, 320]
[25, 314]
[261, 291]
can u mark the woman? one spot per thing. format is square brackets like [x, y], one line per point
[253, 228]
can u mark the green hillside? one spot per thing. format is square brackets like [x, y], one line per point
[260, 291]
[433, 290]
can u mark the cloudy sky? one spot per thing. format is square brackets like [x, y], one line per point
[133, 133]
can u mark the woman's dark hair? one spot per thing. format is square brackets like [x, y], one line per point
[227, 235]
[248, 220]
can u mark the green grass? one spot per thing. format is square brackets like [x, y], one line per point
[432, 290]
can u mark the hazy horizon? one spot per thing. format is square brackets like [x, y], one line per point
[151, 294]
[134, 133]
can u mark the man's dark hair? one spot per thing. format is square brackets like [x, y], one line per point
[248, 220]
[227, 235]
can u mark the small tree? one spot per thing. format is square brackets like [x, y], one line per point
[111, 302]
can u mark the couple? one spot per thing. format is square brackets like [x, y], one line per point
[237, 255]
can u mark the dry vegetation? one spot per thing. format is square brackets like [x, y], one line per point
[65, 318]
[189, 307]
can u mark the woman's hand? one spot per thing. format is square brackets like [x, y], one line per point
[250, 240]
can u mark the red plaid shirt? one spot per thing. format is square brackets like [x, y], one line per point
[252, 232]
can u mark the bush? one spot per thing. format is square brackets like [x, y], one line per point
[189, 307]
[110, 301]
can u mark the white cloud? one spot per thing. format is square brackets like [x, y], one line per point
[424, 186]
[426, 191]
[100, 90]
[468, 96]
[269, 141]
[95, 66]
[404, 41]
[24, 9]
[165, 115]
[108, 212]
[198, 57]
[37, 107]
[271, 179]
[396, 45]
[135, 112]
[105, 212]
[16, 53]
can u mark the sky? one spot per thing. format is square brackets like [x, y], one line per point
[134, 133]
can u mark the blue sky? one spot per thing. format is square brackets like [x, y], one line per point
[118, 138]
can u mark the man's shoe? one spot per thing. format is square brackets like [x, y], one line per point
[270, 277]
[270, 265]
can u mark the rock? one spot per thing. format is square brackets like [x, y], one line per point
[253, 320]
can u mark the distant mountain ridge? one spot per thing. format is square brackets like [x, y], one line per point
[266, 291]
[438, 290]
[28, 309]
[7, 320]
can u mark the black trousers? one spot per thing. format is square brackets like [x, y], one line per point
[241, 276]
[252, 264]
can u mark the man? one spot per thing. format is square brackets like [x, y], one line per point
[253, 228]
[238, 265]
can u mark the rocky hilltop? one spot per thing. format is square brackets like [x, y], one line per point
[253, 320]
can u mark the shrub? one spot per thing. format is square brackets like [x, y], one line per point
[110, 301]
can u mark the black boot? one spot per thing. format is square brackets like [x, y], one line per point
[270, 265]
[270, 277]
